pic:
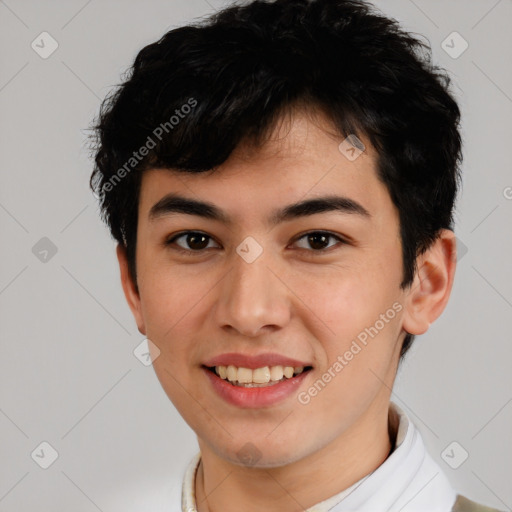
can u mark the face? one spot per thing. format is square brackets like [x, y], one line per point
[320, 286]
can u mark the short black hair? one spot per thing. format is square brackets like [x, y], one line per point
[201, 90]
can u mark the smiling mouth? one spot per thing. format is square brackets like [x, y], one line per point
[260, 377]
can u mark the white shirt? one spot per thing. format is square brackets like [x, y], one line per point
[407, 481]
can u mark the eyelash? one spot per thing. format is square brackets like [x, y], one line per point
[191, 252]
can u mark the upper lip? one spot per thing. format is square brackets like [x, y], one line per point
[253, 362]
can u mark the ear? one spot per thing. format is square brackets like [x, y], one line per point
[432, 285]
[130, 292]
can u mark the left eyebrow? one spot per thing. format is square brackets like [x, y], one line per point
[174, 203]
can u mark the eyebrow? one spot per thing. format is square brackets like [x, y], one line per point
[174, 203]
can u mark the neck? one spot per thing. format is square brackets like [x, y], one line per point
[223, 486]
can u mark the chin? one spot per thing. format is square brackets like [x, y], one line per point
[251, 455]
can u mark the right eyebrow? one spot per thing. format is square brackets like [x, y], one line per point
[174, 203]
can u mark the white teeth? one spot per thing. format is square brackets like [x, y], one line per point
[259, 375]
[231, 373]
[288, 372]
[244, 375]
[276, 373]
[264, 375]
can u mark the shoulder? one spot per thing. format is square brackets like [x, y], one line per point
[463, 504]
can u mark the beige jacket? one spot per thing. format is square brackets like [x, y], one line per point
[462, 504]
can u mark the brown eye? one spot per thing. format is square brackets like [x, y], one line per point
[319, 240]
[194, 241]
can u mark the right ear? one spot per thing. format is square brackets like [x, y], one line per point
[130, 292]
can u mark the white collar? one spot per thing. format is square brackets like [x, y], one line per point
[407, 481]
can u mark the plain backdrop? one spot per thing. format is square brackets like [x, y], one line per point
[68, 374]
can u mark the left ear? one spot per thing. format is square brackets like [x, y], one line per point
[432, 285]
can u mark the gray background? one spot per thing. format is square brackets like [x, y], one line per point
[67, 369]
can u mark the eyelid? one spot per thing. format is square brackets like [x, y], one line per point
[341, 240]
[325, 232]
[172, 238]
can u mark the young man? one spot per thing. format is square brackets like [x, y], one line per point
[280, 180]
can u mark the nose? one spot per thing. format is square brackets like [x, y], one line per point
[253, 299]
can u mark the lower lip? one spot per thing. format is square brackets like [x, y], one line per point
[254, 398]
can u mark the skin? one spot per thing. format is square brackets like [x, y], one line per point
[294, 300]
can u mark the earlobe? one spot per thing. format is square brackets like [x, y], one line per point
[429, 293]
[130, 292]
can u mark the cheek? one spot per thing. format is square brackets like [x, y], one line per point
[340, 302]
[168, 296]
[343, 307]
[357, 342]
[170, 303]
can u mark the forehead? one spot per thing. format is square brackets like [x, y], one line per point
[301, 157]
[302, 136]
